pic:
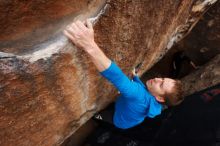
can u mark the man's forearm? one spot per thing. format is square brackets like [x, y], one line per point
[101, 61]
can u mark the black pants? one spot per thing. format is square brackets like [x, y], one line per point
[107, 114]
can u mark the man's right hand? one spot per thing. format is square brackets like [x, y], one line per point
[82, 35]
[134, 72]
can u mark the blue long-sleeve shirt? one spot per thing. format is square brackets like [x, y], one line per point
[135, 102]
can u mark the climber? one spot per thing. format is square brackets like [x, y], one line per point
[137, 101]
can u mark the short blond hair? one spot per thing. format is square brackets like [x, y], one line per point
[176, 96]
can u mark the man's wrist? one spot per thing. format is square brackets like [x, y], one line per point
[92, 48]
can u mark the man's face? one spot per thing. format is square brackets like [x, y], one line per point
[160, 86]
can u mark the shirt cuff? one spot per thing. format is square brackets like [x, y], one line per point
[106, 70]
[109, 70]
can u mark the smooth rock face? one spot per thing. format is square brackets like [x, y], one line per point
[26, 24]
[48, 87]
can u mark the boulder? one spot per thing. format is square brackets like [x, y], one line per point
[49, 88]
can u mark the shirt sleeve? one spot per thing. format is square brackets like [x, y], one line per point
[137, 79]
[127, 88]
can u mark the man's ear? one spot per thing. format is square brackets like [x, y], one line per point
[160, 99]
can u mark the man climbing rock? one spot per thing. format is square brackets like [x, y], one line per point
[137, 100]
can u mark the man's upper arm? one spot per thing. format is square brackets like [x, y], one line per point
[127, 88]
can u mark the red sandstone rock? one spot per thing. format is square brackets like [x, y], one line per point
[208, 75]
[50, 88]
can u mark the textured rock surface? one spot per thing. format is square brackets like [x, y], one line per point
[205, 42]
[48, 87]
[204, 39]
[200, 46]
[208, 75]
